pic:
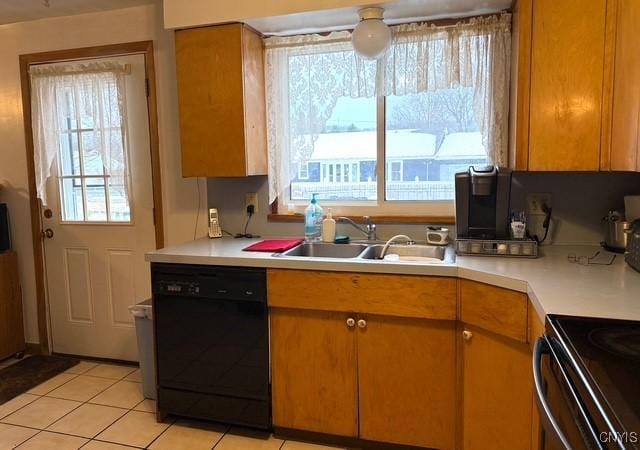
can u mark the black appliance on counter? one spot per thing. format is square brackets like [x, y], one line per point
[632, 255]
[587, 381]
[5, 233]
[482, 203]
[212, 343]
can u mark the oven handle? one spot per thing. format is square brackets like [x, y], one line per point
[542, 348]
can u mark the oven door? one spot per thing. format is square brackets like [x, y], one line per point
[568, 421]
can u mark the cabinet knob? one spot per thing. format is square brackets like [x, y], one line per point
[351, 322]
[467, 335]
[362, 323]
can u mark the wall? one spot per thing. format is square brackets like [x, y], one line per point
[180, 197]
[228, 195]
[580, 200]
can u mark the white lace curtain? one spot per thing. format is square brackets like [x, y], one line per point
[306, 75]
[72, 97]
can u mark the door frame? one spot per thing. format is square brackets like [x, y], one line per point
[141, 47]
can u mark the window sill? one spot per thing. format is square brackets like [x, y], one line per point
[400, 219]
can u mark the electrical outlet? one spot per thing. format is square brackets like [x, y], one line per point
[252, 199]
[535, 202]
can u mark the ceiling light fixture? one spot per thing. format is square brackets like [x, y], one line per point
[372, 36]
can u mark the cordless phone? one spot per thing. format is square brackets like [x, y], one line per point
[214, 224]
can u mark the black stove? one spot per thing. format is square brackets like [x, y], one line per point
[587, 374]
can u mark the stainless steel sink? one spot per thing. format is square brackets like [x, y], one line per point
[407, 252]
[326, 250]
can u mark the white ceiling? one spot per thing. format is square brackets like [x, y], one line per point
[397, 11]
[12, 11]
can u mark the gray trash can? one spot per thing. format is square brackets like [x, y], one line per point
[144, 332]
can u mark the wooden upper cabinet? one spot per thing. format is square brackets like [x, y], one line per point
[222, 101]
[625, 116]
[407, 373]
[566, 93]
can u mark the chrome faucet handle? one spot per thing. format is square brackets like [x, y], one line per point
[372, 235]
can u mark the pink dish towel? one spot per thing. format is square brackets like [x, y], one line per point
[273, 245]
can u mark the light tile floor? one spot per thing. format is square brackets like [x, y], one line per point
[100, 407]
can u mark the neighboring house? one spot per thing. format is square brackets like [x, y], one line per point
[350, 157]
[410, 156]
[457, 152]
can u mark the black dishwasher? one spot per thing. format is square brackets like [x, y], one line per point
[212, 343]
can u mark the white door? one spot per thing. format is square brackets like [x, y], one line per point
[95, 266]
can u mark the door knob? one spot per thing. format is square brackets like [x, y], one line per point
[467, 335]
[48, 233]
[48, 213]
[351, 322]
[362, 323]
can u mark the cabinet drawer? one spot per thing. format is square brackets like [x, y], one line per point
[391, 295]
[499, 310]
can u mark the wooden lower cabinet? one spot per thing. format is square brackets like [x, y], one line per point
[406, 373]
[497, 391]
[313, 372]
[425, 368]
[385, 379]
[11, 325]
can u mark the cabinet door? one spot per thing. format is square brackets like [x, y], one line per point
[407, 381]
[626, 89]
[209, 70]
[313, 372]
[567, 72]
[498, 391]
[11, 325]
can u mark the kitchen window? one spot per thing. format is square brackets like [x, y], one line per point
[388, 135]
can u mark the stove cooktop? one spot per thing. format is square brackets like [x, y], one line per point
[608, 352]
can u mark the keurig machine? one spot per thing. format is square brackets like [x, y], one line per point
[482, 203]
[482, 215]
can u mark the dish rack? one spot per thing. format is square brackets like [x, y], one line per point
[525, 248]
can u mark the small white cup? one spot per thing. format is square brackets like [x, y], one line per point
[518, 230]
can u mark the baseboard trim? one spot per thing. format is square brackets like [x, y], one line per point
[33, 348]
[315, 438]
[341, 441]
[99, 360]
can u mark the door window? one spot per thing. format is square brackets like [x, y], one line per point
[92, 183]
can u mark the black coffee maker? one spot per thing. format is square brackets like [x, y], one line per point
[482, 203]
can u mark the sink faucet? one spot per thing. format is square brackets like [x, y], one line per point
[369, 229]
[392, 240]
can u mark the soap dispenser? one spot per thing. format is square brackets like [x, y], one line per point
[313, 220]
[329, 228]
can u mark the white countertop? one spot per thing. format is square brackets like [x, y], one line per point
[555, 285]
